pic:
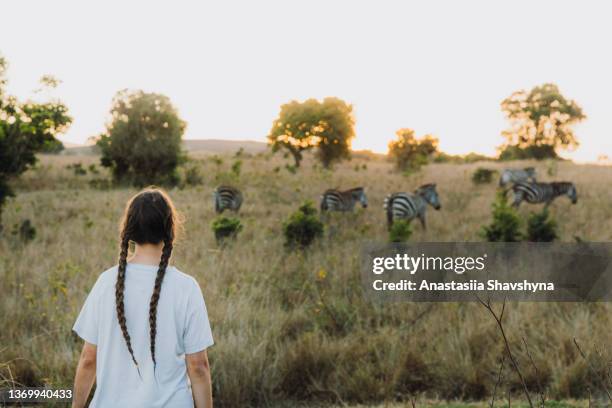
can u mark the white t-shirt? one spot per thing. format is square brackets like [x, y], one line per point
[182, 328]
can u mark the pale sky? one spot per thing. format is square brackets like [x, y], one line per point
[439, 67]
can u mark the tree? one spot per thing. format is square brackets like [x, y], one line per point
[541, 120]
[328, 126]
[410, 153]
[26, 128]
[142, 143]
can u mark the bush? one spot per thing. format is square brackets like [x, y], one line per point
[302, 227]
[77, 168]
[400, 231]
[93, 169]
[236, 168]
[540, 228]
[142, 144]
[540, 152]
[291, 168]
[506, 222]
[483, 176]
[226, 228]
[193, 176]
[441, 157]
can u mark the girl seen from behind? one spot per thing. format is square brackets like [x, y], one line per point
[145, 323]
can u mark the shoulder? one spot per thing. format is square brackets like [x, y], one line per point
[108, 276]
[105, 282]
[106, 279]
[181, 279]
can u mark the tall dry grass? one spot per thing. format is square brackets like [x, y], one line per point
[293, 326]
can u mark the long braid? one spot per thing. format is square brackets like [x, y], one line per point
[119, 292]
[161, 272]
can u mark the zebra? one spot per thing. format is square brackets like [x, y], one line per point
[536, 193]
[517, 176]
[407, 206]
[227, 198]
[336, 200]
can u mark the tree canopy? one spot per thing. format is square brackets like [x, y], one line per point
[328, 126]
[142, 143]
[542, 117]
[410, 153]
[26, 128]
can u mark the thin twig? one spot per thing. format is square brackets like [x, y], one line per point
[499, 378]
[498, 319]
[537, 373]
[509, 398]
[589, 390]
[600, 355]
[603, 384]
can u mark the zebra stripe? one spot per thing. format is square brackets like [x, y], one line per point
[336, 200]
[227, 198]
[408, 206]
[537, 193]
[517, 176]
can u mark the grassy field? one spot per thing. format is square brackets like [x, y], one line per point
[293, 326]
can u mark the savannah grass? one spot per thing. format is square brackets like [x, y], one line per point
[292, 325]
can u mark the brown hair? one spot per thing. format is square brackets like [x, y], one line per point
[149, 218]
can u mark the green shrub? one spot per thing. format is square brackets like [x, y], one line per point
[483, 176]
[236, 168]
[193, 176]
[400, 231]
[77, 168]
[541, 228]
[441, 157]
[308, 208]
[93, 169]
[226, 227]
[302, 227]
[506, 223]
[539, 152]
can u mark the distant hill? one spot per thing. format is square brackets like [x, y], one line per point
[223, 146]
[212, 146]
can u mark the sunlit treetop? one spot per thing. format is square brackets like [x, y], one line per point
[542, 116]
[326, 125]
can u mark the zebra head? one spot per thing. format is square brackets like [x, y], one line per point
[429, 194]
[359, 194]
[566, 188]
